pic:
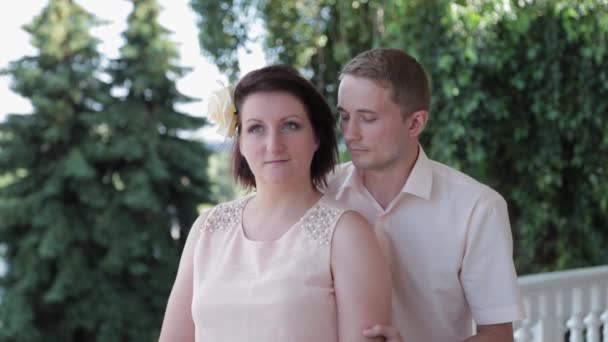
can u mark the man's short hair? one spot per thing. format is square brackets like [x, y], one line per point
[396, 70]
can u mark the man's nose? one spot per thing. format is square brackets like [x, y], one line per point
[351, 130]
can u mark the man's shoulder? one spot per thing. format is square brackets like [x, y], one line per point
[336, 179]
[462, 182]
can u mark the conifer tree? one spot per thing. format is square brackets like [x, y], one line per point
[55, 193]
[97, 184]
[161, 174]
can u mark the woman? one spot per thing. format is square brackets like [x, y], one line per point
[286, 263]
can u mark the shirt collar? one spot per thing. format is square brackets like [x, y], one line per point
[352, 178]
[419, 183]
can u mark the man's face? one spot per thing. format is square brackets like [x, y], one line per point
[374, 129]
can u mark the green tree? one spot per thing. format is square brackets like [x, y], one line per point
[223, 29]
[518, 101]
[224, 188]
[98, 184]
[315, 36]
[160, 174]
[52, 202]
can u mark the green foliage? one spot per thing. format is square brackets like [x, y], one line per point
[92, 184]
[223, 27]
[317, 36]
[223, 187]
[5, 180]
[518, 101]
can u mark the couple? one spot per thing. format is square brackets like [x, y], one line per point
[312, 255]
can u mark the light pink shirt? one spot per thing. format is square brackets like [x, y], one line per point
[449, 246]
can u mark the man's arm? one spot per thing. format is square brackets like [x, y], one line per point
[488, 274]
[493, 333]
[485, 333]
[387, 332]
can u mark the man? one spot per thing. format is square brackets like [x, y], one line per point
[448, 236]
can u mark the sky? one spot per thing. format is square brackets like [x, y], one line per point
[175, 16]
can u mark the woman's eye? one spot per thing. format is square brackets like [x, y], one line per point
[344, 117]
[255, 129]
[291, 126]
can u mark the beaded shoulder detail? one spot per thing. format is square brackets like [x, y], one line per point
[224, 215]
[318, 223]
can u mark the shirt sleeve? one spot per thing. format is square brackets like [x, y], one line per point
[488, 274]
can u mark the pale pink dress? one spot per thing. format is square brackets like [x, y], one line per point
[279, 290]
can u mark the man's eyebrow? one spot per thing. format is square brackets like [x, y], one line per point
[360, 110]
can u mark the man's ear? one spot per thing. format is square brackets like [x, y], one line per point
[417, 122]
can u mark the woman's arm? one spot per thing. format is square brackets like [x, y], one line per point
[177, 323]
[361, 278]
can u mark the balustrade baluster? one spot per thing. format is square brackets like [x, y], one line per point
[524, 333]
[592, 322]
[575, 323]
[551, 323]
[572, 302]
[604, 319]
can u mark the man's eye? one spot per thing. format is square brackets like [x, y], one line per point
[369, 118]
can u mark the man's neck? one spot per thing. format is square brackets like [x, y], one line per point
[385, 184]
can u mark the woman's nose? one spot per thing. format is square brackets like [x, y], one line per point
[276, 141]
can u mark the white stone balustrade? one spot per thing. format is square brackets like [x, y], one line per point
[568, 306]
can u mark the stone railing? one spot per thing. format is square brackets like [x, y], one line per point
[565, 306]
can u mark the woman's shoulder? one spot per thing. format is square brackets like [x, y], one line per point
[346, 213]
[353, 224]
[328, 201]
[235, 204]
[353, 232]
[222, 215]
[346, 221]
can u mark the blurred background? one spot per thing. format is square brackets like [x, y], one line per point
[106, 158]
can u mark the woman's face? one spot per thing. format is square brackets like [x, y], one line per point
[277, 138]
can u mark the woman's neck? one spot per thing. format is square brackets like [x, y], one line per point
[276, 198]
[273, 211]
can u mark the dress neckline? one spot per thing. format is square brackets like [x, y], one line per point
[283, 236]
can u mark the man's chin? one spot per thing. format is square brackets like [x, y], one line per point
[370, 165]
[362, 164]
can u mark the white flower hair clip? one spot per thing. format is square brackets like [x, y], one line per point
[222, 111]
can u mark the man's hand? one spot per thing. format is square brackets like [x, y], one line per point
[493, 333]
[389, 333]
